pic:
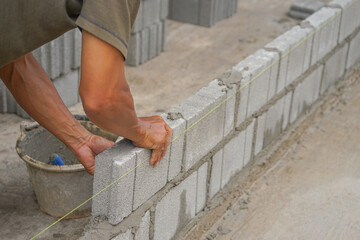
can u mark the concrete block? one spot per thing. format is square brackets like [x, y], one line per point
[124, 236]
[3, 90]
[66, 53]
[177, 146]
[116, 201]
[239, 80]
[215, 175]
[260, 133]
[11, 105]
[153, 40]
[121, 193]
[201, 191]
[164, 9]
[257, 65]
[350, 18]
[175, 209]
[273, 68]
[334, 68]
[143, 231]
[305, 94]
[230, 110]
[134, 50]
[207, 13]
[287, 109]
[220, 10]
[326, 23]
[274, 122]
[159, 31]
[300, 40]
[163, 36]
[77, 38]
[148, 179]
[184, 10]
[138, 24]
[354, 51]
[151, 12]
[208, 131]
[55, 58]
[233, 157]
[248, 143]
[145, 36]
[67, 87]
[304, 8]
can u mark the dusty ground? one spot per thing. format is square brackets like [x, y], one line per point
[313, 192]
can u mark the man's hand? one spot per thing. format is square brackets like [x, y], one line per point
[87, 151]
[157, 136]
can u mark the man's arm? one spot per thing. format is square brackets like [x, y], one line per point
[36, 94]
[108, 102]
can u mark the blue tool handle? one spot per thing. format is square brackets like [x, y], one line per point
[56, 160]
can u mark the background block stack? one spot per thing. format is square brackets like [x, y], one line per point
[202, 12]
[148, 34]
[60, 59]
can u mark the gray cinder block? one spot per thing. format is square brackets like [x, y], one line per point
[116, 201]
[248, 143]
[326, 23]
[67, 87]
[350, 17]
[124, 236]
[177, 146]
[164, 9]
[233, 157]
[201, 187]
[300, 42]
[138, 24]
[3, 90]
[134, 50]
[260, 133]
[151, 12]
[257, 65]
[143, 231]
[230, 110]
[215, 175]
[209, 131]
[148, 179]
[274, 122]
[334, 68]
[287, 109]
[153, 40]
[145, 36]
[77, 43]
[175, 209]
[354, 51]
[201, 12]
[305, 94]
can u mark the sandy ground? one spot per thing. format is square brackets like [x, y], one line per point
[313, 192]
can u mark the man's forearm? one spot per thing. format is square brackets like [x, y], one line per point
[36, 94]
[105, 93]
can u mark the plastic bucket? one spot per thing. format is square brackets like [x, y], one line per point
[58, 189]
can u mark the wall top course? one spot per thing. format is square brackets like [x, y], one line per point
[320, 17]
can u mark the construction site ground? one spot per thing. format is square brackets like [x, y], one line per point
[310, 192]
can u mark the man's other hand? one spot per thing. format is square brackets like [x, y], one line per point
[157, 136]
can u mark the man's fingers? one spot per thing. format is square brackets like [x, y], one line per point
[155, 156]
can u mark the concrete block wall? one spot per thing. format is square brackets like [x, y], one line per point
[60, 59]
[202, 12]
[224, 128]
[148, 34]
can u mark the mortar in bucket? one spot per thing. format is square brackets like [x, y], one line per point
[58, 189]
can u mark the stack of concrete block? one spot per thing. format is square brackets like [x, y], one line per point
[60, 59]
[202, 12]
[218, 131]
[148, 34]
